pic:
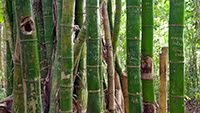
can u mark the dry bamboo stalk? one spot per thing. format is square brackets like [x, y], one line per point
[163, 81]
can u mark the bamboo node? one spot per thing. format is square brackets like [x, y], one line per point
[134, 39]
[176, 25]
[139, 7]
[176, 62]
[18, 91]
[66, 86]
[135, 94]
[93, 66]
[177, 96]
[70, 111]
[92, 6]
[94, 91]
[132, 66]
[149, 26]
[29, 40]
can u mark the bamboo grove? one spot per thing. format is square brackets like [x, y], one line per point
[62, 57]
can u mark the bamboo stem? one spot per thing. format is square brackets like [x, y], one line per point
[163, 81]
[176, 56]
[29, 56]
[65, 55]
[110, 59]
[93, 57]
[133, 55]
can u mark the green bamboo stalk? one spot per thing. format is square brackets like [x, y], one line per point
[80, 84]
[78, 42]
[39, 23]
[66, 55]
[118, 69]
[29, 56]
[147, 57]
[176, 57]
[93, 57]
[18, 105]
[78, 47]
[117, 21]
[80, 88]
[8, 30]
[133, 55]
[79, 14]
[54, 85]
[8, 10]
[47, 9]
[12, 41]
[110, 59]
[10, 22]
[9, 70]
[55, 79]
[116, 29]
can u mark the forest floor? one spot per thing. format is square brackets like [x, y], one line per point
[193, 106]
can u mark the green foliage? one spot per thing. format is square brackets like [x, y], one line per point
[160, 35]
[1, 12]
[192, 51]
[121, 44]
[2, 93]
